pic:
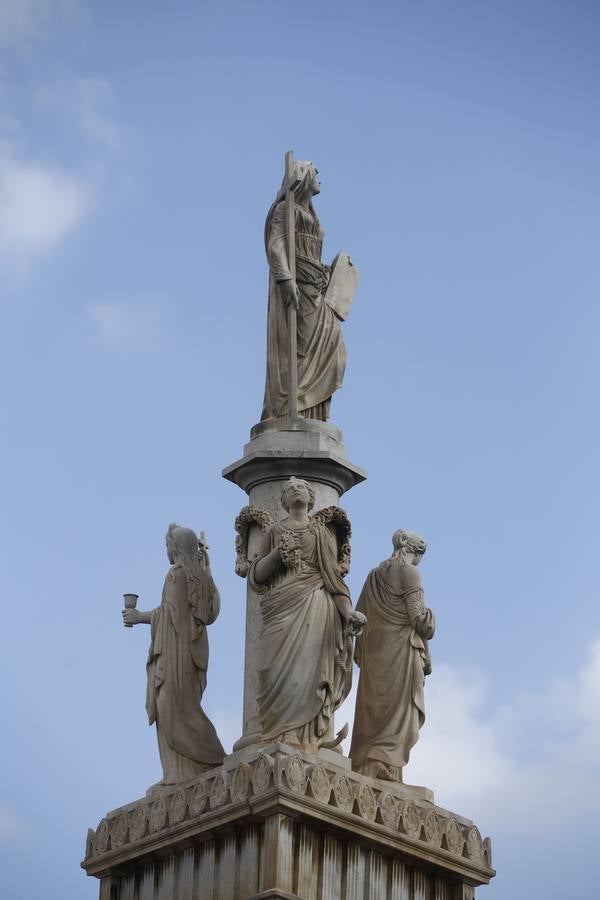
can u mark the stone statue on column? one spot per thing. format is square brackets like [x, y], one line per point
[178, 660]
[393, 656]
[304, 295]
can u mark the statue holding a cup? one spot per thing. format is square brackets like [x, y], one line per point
[187, 740]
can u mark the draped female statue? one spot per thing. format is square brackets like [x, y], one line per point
[178, 660]
[305, 667]
[393, 656]
[321, 355]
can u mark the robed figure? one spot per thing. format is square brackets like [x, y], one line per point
[321, 355]
[308, 624]
[178, 660]
[393, 656]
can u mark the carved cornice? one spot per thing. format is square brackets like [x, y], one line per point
[300, 786]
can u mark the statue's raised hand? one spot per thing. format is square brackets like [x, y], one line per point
[131, 617]
[289, 292]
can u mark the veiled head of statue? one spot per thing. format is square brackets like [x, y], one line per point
[408, 542]
[181, 542]
[297, 488]
[305, 179]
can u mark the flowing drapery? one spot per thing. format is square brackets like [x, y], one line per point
[321, 353]
[392, 654]
[176, 676]
[305, 659]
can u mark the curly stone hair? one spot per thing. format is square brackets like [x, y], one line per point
[408, 542]
[287, 484]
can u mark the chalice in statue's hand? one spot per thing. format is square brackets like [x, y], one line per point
[130, 603]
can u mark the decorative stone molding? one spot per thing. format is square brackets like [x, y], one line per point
[475, 845]
[411, 821]
[261, 777]
[389, 810]
[320, 783]
[454, 837]
[119, 834]
[433, 829]
[198, 799]
[101, 841]
[240, 785]
[158, 816]
[138, 823]
[295, 774]
[383, 805]
[343, 793]
[367, 805]
[177, 808]
[219, 791]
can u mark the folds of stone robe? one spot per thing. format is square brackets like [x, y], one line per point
[391, 653]
[176, 673]
[305, 661]
[321, 351]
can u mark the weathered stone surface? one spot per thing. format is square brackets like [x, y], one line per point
[290, 821]
[284, 817]
[393, 656]
[285, 447]
[342, 285]
[303, 328]
[187, 740]
[304, 650]
[278, 450]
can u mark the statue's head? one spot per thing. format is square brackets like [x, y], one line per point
[305, 178]
[182, 543]
[408, 544]
[297, 489]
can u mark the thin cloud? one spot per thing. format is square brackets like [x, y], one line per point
[11, 826]
[228, 725]
[86, 102]
[588, 705]
[486, 762]
[39, 206]
[119, 324]
[22, 18]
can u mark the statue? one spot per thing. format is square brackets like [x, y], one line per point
[178, 659]
[307, 299]
[393, 656]
[308, 624]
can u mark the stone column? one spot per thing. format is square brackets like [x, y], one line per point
[278, 449]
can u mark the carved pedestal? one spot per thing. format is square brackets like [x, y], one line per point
[280, 824]
[278, 449]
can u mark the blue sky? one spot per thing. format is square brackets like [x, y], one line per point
[459, 150]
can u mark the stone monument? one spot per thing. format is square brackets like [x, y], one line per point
[287, 816]
[393, 656]
[178, 660]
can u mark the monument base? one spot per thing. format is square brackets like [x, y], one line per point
[286, 825]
